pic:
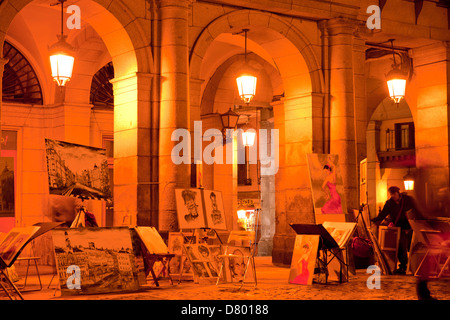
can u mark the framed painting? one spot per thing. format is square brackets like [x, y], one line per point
[190, 210]
[105, 257]
[214, 210]
[327, 187]
[304, 259]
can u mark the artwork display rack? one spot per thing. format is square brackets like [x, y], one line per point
[193, 240]
[8, 286]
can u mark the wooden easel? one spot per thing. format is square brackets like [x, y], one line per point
[381, 259]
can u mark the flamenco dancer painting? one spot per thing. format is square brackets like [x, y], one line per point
[303, 259]
[327, 187]
[333, 204]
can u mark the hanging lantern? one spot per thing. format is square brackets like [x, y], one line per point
[396, 82]
[247, 87]
[408, 180]
[61, 61]
[246, 82]
[61, 56]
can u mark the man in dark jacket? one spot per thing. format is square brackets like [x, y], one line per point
[396, 207]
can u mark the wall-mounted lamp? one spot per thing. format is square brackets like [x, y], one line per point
[229, 121]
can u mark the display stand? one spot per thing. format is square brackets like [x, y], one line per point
[327, 247]
[40, 229]
[8, 286]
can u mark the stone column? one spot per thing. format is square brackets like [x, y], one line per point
[296, 119]
[132, 149]
[342, 104]
[431, 72]
[174, 105]
[360, 107]
[373, 165]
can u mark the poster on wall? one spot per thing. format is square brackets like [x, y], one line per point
[8, 178]
[104, 256]
[327, 187]
[77, 170]
[304, 259]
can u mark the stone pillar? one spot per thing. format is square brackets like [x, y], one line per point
[174, 105]
[132, 149]
[2, 67]
[296, 120]
[360, 107]
[342, 104]
[267, 218]
[373, 165]
[431, 71]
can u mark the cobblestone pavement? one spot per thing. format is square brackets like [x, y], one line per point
[272, 285]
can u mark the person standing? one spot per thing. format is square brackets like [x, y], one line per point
[396, 208]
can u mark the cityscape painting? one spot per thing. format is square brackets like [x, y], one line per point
[104, 256]
[77, 170]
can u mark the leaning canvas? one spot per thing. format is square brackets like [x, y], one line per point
[304, 259]
[105, 258]
[327, 187]
[190, 210]
[77, 170]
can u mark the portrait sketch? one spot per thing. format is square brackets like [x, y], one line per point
[214, 210]
[190, 208]
[236, 265]
[180, 265]
[304, 259]
[205, 260]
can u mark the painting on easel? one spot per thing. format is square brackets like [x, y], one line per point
[327, 187]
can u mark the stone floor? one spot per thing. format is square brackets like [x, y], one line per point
[272, 285]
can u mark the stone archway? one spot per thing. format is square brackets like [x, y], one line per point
[298, 116]
[123, 34]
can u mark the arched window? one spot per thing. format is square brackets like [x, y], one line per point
[20, 82]
[102, 95]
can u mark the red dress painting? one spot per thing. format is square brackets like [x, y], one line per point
[303, 277]
[333, 205]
